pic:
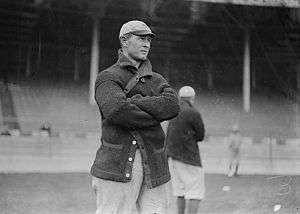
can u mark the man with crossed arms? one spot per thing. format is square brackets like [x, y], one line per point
[130, 171]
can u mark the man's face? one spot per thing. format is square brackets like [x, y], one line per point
[138, 47]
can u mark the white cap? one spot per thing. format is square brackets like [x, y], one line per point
[137, 28]
[235, 128]
[186, 91]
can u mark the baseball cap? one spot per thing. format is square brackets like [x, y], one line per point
[235, 128]
[135, 27]
[186, 91]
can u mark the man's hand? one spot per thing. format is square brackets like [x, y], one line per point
[136, 97]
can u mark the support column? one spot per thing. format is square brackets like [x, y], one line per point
[76, 65]
[246, 73]
[298, 78]
[296, 107]
[19, 61]
[296, 104]
[198, 11]
[253, 77]
[210, 82]
[94, 60]
[167, 68]
[28, 61]
[39, 54]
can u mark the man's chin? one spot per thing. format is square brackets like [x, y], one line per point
[143, 58]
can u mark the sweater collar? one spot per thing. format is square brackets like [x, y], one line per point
[145, 68]
[185, 102]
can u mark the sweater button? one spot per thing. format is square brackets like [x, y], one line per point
[130, 159]
[134, 142]
[127, 175]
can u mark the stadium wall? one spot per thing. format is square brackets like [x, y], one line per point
[75, 154]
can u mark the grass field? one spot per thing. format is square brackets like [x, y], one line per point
[66, 193]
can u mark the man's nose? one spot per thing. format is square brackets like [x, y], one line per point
[147, 44]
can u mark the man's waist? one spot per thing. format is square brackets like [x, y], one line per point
[127, 137]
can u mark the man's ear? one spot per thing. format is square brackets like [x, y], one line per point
[124, 42]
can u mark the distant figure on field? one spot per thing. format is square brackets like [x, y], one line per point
[46, 127]
[183, 134]
[234, 144]
[5, 131]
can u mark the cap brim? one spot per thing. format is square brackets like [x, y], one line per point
[143, 33]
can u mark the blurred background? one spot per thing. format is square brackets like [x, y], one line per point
[241, 57]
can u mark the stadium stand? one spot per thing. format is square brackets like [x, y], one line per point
[8, 108]
[270, 115]
[65, 106]
[182, 53]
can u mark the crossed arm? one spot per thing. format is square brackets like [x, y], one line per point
[135, 112]
[163, 106]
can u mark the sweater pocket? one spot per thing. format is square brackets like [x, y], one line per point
[109, 158]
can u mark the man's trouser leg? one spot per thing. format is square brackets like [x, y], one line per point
[155, 200]
[117, 197]
[123, 198]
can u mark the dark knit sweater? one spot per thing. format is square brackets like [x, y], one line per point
[150, 102]
[183, 134]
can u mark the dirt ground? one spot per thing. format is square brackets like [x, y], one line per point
[63, 193]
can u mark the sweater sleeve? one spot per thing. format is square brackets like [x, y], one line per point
[117, 108]
[162, 107]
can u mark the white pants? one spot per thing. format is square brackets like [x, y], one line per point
[132, 197]
[234, 160]
[187, 180]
